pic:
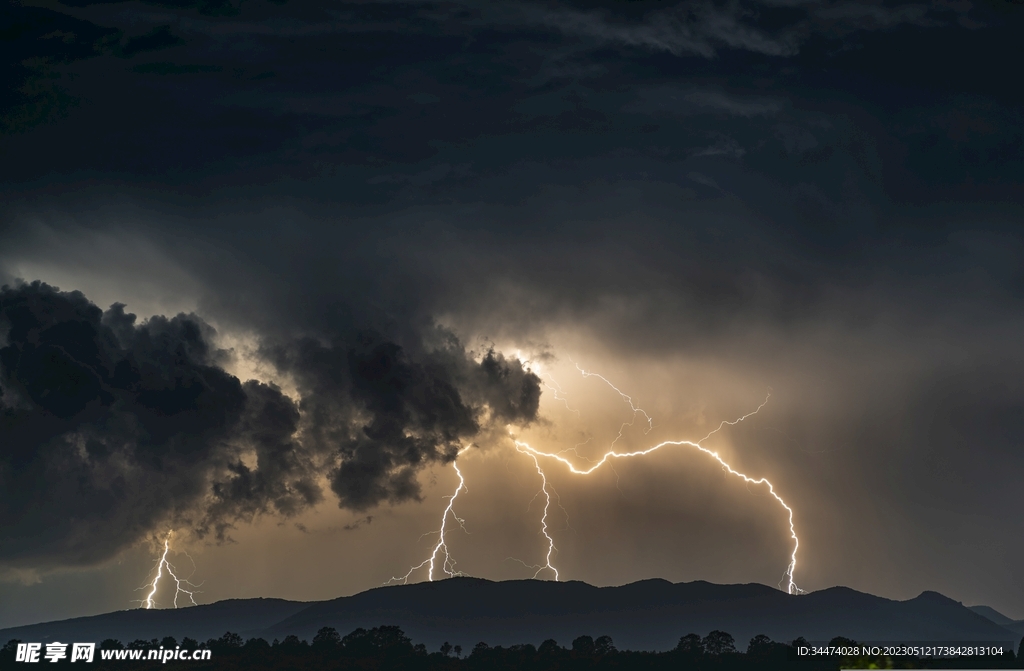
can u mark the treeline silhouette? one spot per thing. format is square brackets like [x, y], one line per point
[387, 647]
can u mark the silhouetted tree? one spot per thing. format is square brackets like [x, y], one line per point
[766, 653]
[292, 644]
[389, 637]
[230, 640]
[226, 644]
[10, 649]
[355, 640]
[548, 647]
[583, 645]
[114, 644]
[327, 638]
[189, 643]
[387, 648]
[380, 641]
[689, 645]
[718, 642]
[256, 646]
[604, 645]
[8, 653]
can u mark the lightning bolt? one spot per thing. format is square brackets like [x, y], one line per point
[189, 588]
[737, 421]
[556, 390]
[544, 518]
[611, 454]
[625, 397]
[448, 565]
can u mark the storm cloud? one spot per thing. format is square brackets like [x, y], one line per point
[388, 415]
[372, 213]
[114, 430]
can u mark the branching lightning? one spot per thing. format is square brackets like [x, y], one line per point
[737, 421]
[181, 585]
[441, 548]
[556, 390]
[448, 565]
[544, 518]
[526, 448]
[625, 397]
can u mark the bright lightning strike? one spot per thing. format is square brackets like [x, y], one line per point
[181, 585]
[544, 518]
[526, 448]
[448, 565]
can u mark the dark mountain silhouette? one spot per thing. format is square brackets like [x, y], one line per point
[1016, 626]
[198, 622]
[646, 615]
[992, 614]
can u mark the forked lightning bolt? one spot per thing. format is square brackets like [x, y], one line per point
[543, 520]
[190, 589]
[448, 565]
[526, 448]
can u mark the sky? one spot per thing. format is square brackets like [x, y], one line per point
[272, 270]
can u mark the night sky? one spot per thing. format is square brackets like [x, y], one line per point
[269, 267]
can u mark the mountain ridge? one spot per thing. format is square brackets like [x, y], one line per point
[1016, 626]
[645, 615]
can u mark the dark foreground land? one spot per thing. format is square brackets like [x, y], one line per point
[387, 647]
[469, 623]
[646, 615]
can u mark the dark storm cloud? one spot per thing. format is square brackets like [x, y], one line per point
[285, 472]
[34, 42]
[820, 197]
[699, 28]
[389, 414]
[693, 28]
[112, 430]
[673, 101]
[305, 90]
[204, 7]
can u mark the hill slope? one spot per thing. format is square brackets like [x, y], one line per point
[244, 616]
[646, 615]
[1016, 626]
